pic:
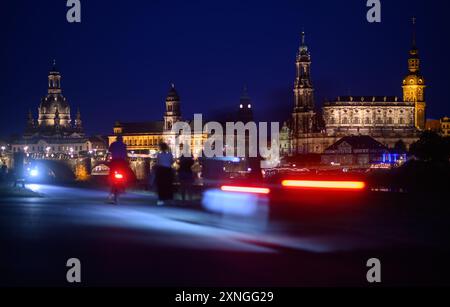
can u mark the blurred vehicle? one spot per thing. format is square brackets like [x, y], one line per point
[217, 170]
[287, 194]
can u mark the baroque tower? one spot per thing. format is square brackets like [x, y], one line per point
[78, 122]
[303, 115]
[414, 85]
[245, 107]
[303, 88]
[53, 102]
[173, 110]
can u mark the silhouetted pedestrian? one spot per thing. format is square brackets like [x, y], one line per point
[164, 174]
[186, 176]
[3, 171]
[19, 171]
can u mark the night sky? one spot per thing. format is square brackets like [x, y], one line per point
[118, 63]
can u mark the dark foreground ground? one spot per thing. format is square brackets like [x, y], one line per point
[140, 244]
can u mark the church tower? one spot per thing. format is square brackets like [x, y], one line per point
[245, 114]
[78, 122]
[303, 88]
[303, 115]
[173, 110]
[414, 85]
[30, 121]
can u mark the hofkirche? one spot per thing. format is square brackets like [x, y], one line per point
[387, 119]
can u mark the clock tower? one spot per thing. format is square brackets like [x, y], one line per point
[414, 85]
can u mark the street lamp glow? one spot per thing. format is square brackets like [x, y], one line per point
[34, 173]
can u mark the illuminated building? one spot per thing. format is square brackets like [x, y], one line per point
[445, 127]
[54, 134]
[387, 119]
[440, 126]
[143, 139]
[414, 86]
[433, 125]
[375, 116]
[355, 151]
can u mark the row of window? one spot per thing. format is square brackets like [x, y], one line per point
[142, 142]
[150, 142]
[368, 121]
[367, 111]
[53, 148]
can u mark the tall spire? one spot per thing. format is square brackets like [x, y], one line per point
[245, 106]
[303, 92]
[173, 109]
[244, 94]
[414, 60]
[414, 83]
[54, 68]
[303, 50]
[30, 119]
[78, 122]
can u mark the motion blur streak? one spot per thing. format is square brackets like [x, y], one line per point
[245, 190]
[342, 185]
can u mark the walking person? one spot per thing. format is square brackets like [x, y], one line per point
[19, 169]
[186, 176]
[164, 174]
[3, 171]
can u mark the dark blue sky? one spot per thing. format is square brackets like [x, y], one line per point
[118, 63]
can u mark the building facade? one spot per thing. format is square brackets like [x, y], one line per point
[385, 118]
[360, 151]
[143, 139]
[445, 127]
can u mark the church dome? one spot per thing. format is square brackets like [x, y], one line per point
[51, 103]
